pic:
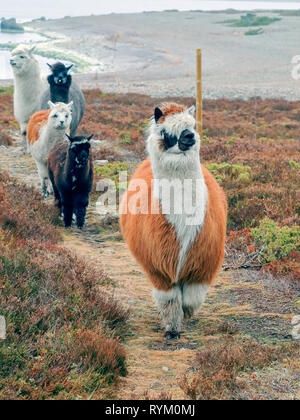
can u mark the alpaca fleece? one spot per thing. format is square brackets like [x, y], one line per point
[45, 129]
[72, 177]
[180, 246]
[28, 87]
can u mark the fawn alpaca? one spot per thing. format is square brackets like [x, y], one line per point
[64, 89]
[28, 87]
[45, 129]
[181, 245]
[70, 167]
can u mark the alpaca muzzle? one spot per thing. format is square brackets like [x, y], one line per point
[186, 140]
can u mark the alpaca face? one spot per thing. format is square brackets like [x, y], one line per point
[173, 138]
[22, 60]
[59, 74]
[60, 116]
[80, 149]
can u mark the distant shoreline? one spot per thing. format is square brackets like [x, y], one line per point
[146, 54]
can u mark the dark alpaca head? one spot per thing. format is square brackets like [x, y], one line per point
[60, 74]
[79, 151]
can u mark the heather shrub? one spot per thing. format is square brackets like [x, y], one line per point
[5, 139]
[24, 214]
[227, 172]
[216, 369]
[63, 322]
[277, 242]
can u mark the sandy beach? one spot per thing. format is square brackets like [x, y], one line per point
[154, 53]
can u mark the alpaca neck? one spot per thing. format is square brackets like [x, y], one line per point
[51, 136]
[30, 84]
[181, 190]
[75, 171]
[59, 93]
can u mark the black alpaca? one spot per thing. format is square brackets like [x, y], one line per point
[63, 89]
[60, 82]
[70, 167]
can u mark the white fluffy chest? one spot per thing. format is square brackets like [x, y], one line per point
[184, 209]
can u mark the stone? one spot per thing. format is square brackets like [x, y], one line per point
[100, 162]
[296, 330]
[2, 328]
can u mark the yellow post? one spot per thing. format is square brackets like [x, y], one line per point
[199, 91]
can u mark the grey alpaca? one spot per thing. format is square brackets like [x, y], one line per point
[63, 89]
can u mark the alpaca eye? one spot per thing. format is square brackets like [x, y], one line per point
[66, 116]
[21, 56]
[55, 116]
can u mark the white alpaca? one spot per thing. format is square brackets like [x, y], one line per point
[45, 129]
[28, 87]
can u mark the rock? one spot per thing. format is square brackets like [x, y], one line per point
[155, 385]
[296, 320]
[100, 162]
[95, 142]
[109, 251]
[296, 329]
[2, 328]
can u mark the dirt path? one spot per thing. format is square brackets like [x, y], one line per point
[242, 303]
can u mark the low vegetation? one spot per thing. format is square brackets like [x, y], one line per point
[251, 19]
[252, 147]
[252, 32]
[63, 323]
[65, 345]
[290, 13]
[220, 371]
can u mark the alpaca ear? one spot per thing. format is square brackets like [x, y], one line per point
[70, 105]
[90, 138]
[69, 68]
[51, 104]
[31, 49]
[50, 67]
[157, 114]
[192, 110]
[70, 138]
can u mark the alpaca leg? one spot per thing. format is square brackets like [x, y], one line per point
[170, 308]
[45, 187]
[55, 191]
[43, 173]
[80, 217]
[24, 139]
[80, 205]
[193, 296]
[68, 214]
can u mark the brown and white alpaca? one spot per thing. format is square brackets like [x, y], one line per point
[180, 246]
[45, 129]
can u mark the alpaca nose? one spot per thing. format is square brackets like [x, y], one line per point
[61, 123]
[186, 140]
[12, 62]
